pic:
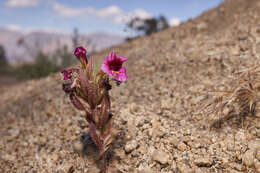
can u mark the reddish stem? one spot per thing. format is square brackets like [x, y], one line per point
[105, 163]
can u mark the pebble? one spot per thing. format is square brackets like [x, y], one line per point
[225, 162]
[166, 104]
[146, 169]
[257, 166]
[254, 145]
[238, 167]
[13, 133]
[113, 170]
[174, 141]
[257, 155]
[235, 50]
[184, 168]
[160, 156]
[77, 146]
[182, 147]
[196, 100]
[203, 162]
[248, 158]
[131, 146]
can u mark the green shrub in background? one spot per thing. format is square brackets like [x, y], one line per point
[45, 65]
[42, 67]
[4, 66]
[66, 57]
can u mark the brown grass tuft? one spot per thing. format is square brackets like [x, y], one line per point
[237, 102]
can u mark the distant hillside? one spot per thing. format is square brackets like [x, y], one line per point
[49, 42]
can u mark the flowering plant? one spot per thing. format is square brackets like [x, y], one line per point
[89, 92]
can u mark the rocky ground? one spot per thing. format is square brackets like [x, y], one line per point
[156, 111]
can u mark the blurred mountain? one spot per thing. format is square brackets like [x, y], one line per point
[20, 46]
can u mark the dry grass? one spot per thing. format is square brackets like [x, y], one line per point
[237, 102]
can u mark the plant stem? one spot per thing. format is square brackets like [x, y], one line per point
[105, 163]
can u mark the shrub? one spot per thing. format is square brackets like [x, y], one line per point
[42, 67]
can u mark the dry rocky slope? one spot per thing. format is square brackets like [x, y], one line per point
[171, 73]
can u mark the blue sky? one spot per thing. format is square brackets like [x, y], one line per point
[93, 15]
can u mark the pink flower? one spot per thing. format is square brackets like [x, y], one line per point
[66, 74]
[80, 52]
[113, 67]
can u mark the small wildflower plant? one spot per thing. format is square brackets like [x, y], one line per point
[88, 90]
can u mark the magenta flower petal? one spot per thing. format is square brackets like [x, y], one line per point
[110, 58]
[122, 76]
[123, 59]
[105, 69]
[66, 74]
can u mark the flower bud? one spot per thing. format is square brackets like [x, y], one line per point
[80, 53]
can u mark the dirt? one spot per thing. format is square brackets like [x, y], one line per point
[171, 76]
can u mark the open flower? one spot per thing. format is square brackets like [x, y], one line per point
[80, 53]
[67, 74]
[113, 67]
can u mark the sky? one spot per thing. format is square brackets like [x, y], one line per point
[90, 16]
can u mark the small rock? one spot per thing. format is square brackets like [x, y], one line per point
[130, 146]
[93, 169]
[233, 171]
[225, 162]
[77, 146]
[184, 168]
[257, 155]
[182, 147]
[160, 156]
[174, 141]
[13, 133]
[254, 145]
[174, 166]
[186, 139]
[134, 108]
[42, 140]
[231, 147]
[196, 100]
[54, 157]
[203, 162]
[240, 136]
[238, 167]
[65, 168]
[146, 170]
[113, 170]
[257, 166]
[248, 158]
[50, 110]
[166, 104]
[8, 157]
[187, 132]
[234, 50]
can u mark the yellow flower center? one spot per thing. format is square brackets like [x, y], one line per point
[115, 71]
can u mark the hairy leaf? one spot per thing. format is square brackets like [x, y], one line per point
[83, 81]
[95, 137]
[105, 109]
[76, 102]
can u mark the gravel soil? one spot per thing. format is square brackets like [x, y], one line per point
[156, 111]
